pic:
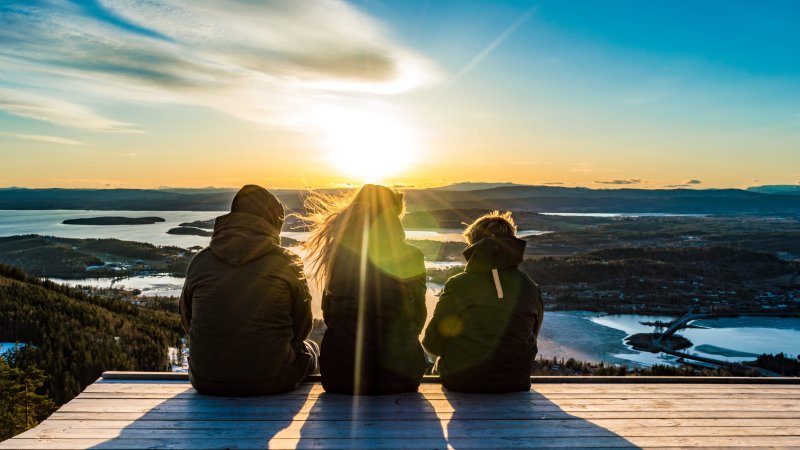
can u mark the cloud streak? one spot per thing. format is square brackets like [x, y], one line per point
[620, 182]
[41, 138]
[252, 60]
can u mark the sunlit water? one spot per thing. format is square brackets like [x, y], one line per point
[49, 223]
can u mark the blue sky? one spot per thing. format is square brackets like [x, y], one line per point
[194, 93]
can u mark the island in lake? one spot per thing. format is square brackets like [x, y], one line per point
[114, 220]
[189, 231]
[196, 228]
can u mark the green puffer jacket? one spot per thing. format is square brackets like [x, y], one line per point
[486, 322]
[247, 308]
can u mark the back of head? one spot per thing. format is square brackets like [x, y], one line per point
[257, 201]
[491, 224]
[339, 221]
[376, 200]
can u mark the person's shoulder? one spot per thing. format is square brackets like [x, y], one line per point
[412, 251]
[526, 278]
[289, 256]
[201, 256]
[457, 280]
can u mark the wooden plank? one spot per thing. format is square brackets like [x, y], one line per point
[432, 429]
[245, 415]
[453, 442]
[555, 387]
[106, 386]
[572, 422]
[190, 394]
[339, 404]
[112, 375]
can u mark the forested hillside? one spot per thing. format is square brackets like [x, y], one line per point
[74, 337]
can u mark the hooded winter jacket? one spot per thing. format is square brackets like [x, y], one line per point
[486, 321]
[387, 356]
[247, 308]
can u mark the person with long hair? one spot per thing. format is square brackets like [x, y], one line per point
[373, 300]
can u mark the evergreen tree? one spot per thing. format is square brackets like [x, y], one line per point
[21, 407]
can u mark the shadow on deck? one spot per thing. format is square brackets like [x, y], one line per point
[121, 411]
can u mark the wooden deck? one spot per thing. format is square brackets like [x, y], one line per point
[121, 412]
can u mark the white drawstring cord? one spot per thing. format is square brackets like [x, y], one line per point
[497, 285]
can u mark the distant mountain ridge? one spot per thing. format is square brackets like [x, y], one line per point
[464, 196]
[776, 189]
[474, 186]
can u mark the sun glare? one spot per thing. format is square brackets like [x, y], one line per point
[366, 145]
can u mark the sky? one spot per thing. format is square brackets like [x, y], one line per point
[293, 94]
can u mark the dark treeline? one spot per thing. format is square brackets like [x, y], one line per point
[721, 264]
[74, 337]
[574, 367]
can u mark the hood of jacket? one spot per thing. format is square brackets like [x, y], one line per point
[494, 252]
[239, 238]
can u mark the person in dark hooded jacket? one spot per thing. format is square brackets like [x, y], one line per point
[246, 304]
[487, 319]
[373, 301]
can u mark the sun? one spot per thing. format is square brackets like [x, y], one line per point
[369, 146]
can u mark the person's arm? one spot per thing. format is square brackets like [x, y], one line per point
[300, 300]
[185, 302]
[539, 311]
[445, 323]
[418, 287]
[185, 306]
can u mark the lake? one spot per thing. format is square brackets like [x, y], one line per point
[728, 339]
[48, 223]
[615, 214]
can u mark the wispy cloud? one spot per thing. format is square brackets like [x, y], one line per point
[41, 138]
[260, 61]
[685, 183]
[57, 111]
[620, 182]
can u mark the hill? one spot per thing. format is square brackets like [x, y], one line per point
[791, 189]
[58, 257]
[74, 336]
[583, 200]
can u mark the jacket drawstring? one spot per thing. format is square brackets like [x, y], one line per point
[497, 285]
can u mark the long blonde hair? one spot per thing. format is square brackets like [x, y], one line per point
[340, 219]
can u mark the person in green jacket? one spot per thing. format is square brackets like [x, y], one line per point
[246, 305]
[487, 319]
